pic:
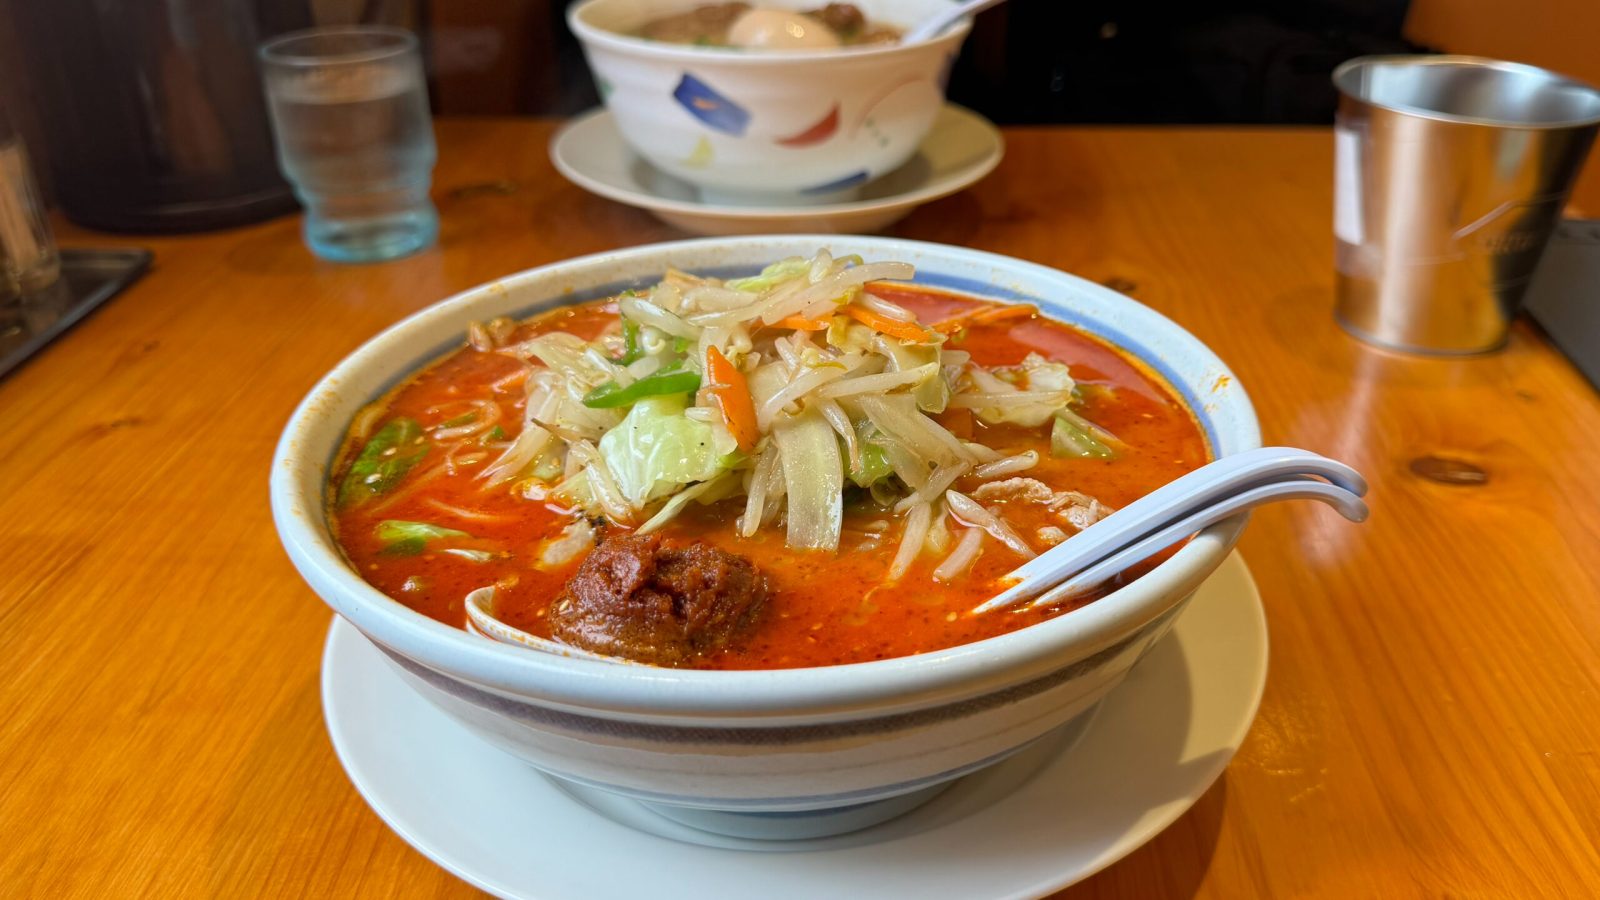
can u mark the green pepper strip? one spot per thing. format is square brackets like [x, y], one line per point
[631, 351]
[610, 395]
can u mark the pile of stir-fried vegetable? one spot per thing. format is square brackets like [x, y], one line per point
[783, 389]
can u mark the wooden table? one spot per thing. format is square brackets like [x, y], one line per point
[1432, 721]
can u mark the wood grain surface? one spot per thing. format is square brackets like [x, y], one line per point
[1432, 720]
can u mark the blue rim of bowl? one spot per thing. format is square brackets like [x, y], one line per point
[780, 696]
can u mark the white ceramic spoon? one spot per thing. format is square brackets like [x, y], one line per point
[1209, 494]
[941, 20]
[481, 621]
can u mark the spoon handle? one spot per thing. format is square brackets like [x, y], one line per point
[1177, 499]
[1348, 504]
[942, 20]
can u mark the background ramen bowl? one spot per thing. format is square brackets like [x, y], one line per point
[747, 126]
[787, 753]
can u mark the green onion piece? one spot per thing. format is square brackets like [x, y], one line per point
[402, 538]
[1093, 430]
[611, 395]
[495, 434]
[463, 419]
[387, 457]
[631, 351]
[1068, 439]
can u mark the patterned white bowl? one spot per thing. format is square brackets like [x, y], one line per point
[785, 128]
[786, 753]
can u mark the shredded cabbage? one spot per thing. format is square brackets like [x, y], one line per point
[817, 385]
[403, 538]
[813, 478]
[871, 465]
[773, 275]
[657, 449]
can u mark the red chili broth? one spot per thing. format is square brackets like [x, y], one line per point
[826, 608]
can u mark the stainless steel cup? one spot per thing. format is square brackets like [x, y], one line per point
[1450, 174]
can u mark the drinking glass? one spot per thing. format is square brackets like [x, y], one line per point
[350, 116]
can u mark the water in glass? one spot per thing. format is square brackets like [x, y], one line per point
[355, 138]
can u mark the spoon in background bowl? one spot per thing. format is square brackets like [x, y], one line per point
[944, 19]
[1210, 494]
[765, 28]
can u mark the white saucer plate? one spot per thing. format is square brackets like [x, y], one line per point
[961, 148]
[1050, 816]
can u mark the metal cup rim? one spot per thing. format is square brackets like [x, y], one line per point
[1343, 73]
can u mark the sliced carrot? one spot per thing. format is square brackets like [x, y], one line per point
[954, 323]
[732, 393]
[799, 323]
[516, 378]
[1004, 311]
[993, 312]
[905, 331]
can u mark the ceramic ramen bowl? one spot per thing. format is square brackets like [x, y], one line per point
[781, 753]
[779, 128]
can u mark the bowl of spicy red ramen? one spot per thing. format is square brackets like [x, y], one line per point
[705, 524]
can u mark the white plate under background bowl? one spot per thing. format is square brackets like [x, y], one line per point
[961, 148]
[1034, 824]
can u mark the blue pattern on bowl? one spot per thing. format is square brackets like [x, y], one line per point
[706, 104]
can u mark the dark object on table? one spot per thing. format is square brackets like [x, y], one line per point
[153, 111]
[1564, 295]
[88, 279]
[1027, 61]
[1164, 61]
